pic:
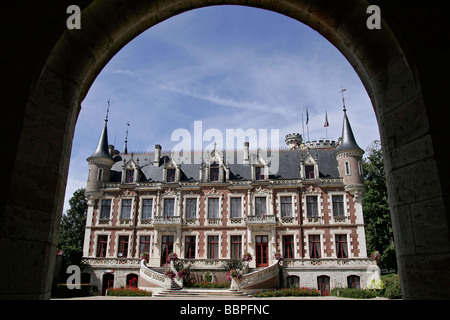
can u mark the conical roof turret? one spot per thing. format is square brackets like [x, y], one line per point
[348, 141]
[102, 150]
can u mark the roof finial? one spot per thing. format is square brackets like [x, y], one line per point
[107, 111]
[125, 149]
[343, 99]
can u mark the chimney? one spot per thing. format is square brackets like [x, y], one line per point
[157, 155]
[246, 145]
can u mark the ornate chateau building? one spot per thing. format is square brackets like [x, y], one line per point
[310, 212]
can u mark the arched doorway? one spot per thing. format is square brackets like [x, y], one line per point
[401, 66]
[323, 285]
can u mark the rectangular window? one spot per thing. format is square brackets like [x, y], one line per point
[126, 209]
[286, 206]
[213, 247]
[338, 206]
[170, 175]
[123, 247]
[213, 208]
[288, 247]
[236, 247]
[259, 173]
[341, 246]
[144, 244]
[311, 206]
[309, 172]
[191, 208]
[129, 176]
[106, 209]
[169, 207]
[102, 245]
[235, 208]
[347, 168]
[314, 246]
[100, 174]
[214, 174]
[190, 247]
[147, 209]
[260, 206]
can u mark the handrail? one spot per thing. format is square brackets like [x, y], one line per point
[259, 275]
[153, 276]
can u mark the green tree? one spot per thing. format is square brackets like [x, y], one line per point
[71, 234]
[376, 209]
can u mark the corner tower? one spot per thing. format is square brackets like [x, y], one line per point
[100, 163]
[349, 157]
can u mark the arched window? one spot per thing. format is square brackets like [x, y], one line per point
[353, 282]
[292, 281]
[132, 280]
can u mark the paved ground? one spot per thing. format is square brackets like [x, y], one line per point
[214, 298]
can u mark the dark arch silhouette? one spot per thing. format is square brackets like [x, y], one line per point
[49, 70]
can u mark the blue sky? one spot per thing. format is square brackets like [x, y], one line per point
[230, 67]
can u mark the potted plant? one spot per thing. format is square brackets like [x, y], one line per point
[235, 276]
[278, 255]
[172, 257]
[170, 274]
[247, 257]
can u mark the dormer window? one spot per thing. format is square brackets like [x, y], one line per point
[129, 176]
[171, 175]
[214, 174]
[309, 172]
[309, 167]
[259, 173]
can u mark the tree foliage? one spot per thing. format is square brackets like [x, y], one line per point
[376, 209]
[71, 235]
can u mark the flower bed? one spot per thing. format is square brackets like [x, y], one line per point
[128, 291]
[287, 292]
[215, 285]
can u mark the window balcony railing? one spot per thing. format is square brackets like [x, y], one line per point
[191, 222]
[214, 221]
[314, 219]
[167, 220]
[263, 219]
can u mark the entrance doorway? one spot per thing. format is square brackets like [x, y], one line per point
[323, 284]
[108, 282]
[262, 259]
[166, 249]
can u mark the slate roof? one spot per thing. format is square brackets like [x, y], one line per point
[289, 164]
[348, 139]
[102, 150]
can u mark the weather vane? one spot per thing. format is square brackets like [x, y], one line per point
[343, 99]
[107, 111]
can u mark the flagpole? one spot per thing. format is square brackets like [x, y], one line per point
[307, 122]
[303, 123]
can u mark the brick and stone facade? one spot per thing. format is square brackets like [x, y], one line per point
[310, 211]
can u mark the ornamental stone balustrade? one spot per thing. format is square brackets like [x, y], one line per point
[261, 220]
[167, 220]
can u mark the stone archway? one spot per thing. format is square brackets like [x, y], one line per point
[401, 66]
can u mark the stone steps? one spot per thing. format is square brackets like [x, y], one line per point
[200, 293]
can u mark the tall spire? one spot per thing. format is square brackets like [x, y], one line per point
[348, 139]
[102, 150]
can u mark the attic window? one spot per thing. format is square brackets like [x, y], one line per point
[259, 173]
[129, 176]
[170, 175]
[309, 172]
[214, 174]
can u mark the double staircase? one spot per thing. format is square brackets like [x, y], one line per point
[173, 288]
